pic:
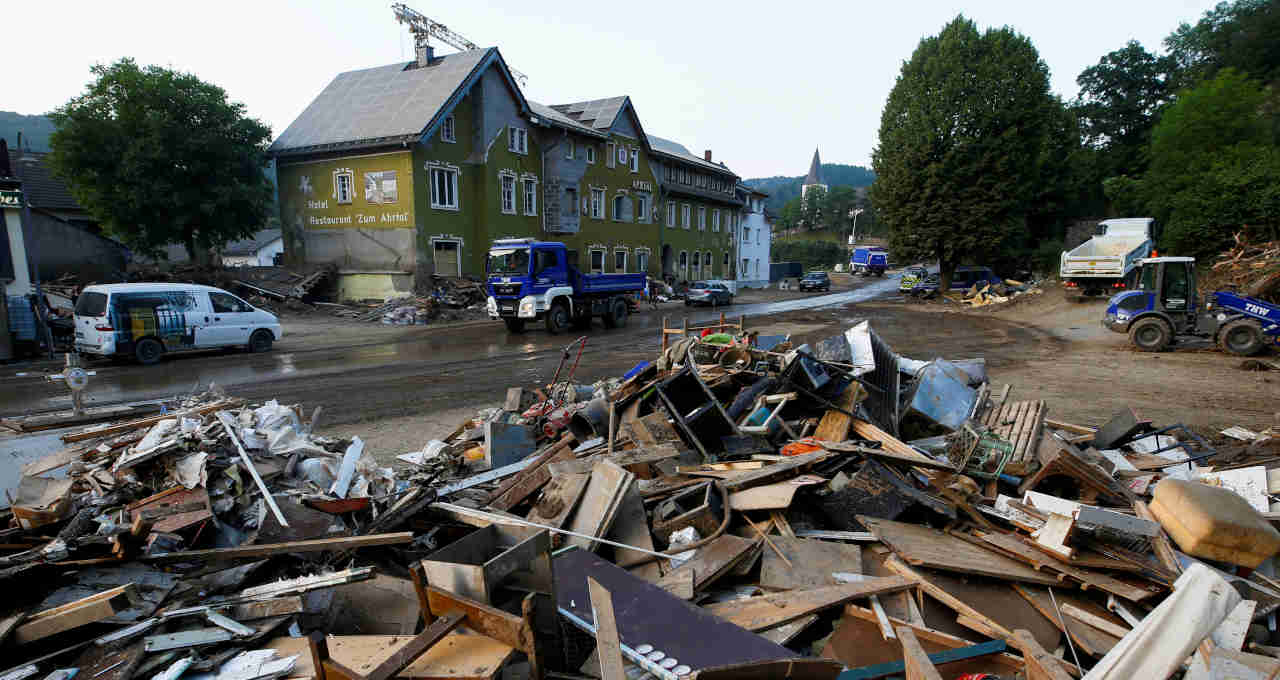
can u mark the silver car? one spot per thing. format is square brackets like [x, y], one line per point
[708, 293]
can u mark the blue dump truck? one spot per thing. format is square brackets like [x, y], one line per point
[869, 261]
[531, 280]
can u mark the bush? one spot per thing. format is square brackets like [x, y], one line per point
[811, 254]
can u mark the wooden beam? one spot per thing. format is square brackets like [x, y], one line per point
[915, 661]
[75, 614]
[759, 613]
[313, 545]
[1041, 665]
[1094, 620]
[608, 645]
[148, 422]
[401, 658]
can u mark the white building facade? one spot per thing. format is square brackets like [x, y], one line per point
[754, 238]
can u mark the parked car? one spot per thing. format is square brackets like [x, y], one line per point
[708, 293]
[964, 278]
[911, 276]
[145, 321]
[815, 281]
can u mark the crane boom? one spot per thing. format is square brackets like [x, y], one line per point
[423, 28]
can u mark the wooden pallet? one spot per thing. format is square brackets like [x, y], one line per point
[1020, 423]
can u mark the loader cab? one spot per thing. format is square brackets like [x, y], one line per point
[1171, 283]
[1162, 304]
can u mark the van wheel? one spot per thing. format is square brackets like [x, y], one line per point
[616, 317]
[514, 325]
[1241, 337]
[148, 351]
[557, 318]
[1150, 335]
[261, 340]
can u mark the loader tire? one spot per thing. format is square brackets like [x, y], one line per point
[1150, 334]
[1242, 337]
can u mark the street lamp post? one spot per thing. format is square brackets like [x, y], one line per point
[854, 212]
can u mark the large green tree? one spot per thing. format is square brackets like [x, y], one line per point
[162, 157]
[962, 137]
[1119, 100]
[1215, 165]
[1244, 35]
[837, 203]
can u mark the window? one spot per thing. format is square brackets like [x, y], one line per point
[508, 194]
[635, 160]
[597, 204]
[225, 303]
[597, 261]
[619, 207]
[642, 209]
[573, 149]
[591, 153]
[608, 150]
[447, 131]
[622, 155]
[671, 214]
[757, 266]
[697, 265]
[685, 216]
[725, 264]
[342, 183]
[380, 187]
[706, 261]
[531, 197]
[746, 234]
[746, 267]
[619, 260]
[715, 220]
[642, 261]
[684, 261]
[517, 139]
[759, 235]
[444, 189]
[702, 218]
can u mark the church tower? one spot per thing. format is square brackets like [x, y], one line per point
[814, 178]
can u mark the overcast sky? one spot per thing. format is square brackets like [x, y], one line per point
[759, 83]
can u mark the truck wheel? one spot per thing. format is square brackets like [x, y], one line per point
[1242, 337]
[1150, 335]
[148, 351]
[261, 340]
[558, 318]
[616, 316]
[514, 325]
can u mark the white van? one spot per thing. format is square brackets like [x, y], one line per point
[146, 320]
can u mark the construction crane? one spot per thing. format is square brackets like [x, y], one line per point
[423, 28]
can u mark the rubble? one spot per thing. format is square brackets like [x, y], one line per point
[724, 511]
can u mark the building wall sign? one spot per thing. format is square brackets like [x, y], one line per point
[10, 198]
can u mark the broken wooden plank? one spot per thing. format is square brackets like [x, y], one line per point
[926, 547]
[313, 545]
[1041, 665]
[514, 396]
[812, 563]
[600, 503]
[759, 613]
[858, 644]
[148, 422]
[607, 644]
[1098, 622]
[82, 612]
[1090, 640]
[481, 618]
[1055, 533]
[776, 496]
[559, 499]
[834, 426]
[915, 662]
[1020, 549]
[402, 657]
[637, 456]
[713, 560]
[460, 655]
[516, 489]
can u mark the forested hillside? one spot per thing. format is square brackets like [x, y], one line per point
[783, 189]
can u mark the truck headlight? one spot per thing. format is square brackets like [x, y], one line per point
[492, 305]
[527, 307]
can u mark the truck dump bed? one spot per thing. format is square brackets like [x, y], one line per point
[1110, 254]
[596, 284]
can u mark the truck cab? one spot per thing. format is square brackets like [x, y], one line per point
[532, 280]
[869, 261]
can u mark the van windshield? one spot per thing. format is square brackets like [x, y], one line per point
[91, 304]
[509, 261]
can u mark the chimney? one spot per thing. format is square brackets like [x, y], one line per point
[424, 53]
[707, 155]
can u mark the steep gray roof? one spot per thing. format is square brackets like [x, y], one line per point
[598, 114]
[39, 185]
[250, 246]
[382, 105]
[815, 170]
[558, 118]
[677, 150]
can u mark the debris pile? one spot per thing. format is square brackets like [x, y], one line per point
[739, 507]
[995, 294]
[1251, 268]
[451, 299]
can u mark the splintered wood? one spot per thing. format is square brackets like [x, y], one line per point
[922, 546]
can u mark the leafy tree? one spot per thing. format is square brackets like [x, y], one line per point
[1215, 164]
[1244, 35]
[1119, 100]
[161, 157]
[961, 139]
[812, 254]
[811, 209]
[836, 205]
[790, 215]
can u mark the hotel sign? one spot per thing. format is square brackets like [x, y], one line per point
[10, 198]
[641, 185]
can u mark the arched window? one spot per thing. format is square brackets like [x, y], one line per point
[619, 203]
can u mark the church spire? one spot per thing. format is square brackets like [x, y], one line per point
[815, 171]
